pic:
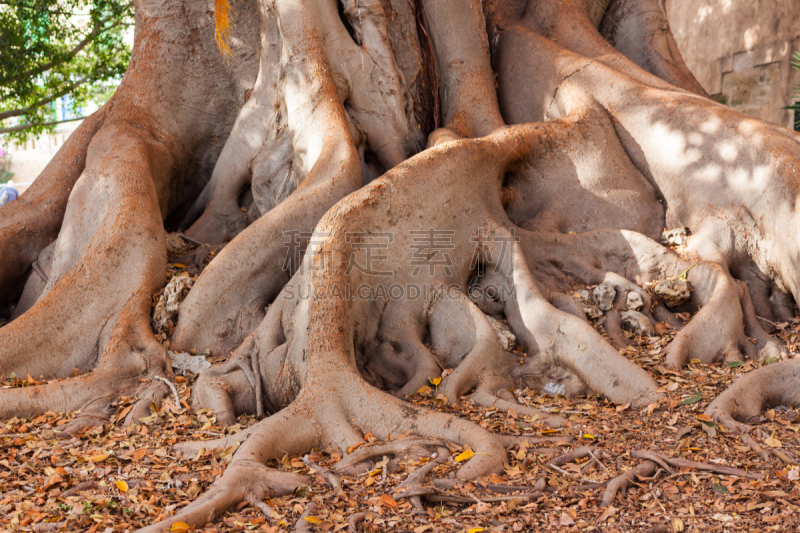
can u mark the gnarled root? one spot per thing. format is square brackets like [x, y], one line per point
[30, 224]
[86, 308]
[760, 389]
[716, 332]
[247, 478]
[654, 461]
[90, 317]
[308, 423]
[621, 483]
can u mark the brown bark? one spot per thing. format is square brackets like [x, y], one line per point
[561, 153]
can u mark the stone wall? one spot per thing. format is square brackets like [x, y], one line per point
[740, 51]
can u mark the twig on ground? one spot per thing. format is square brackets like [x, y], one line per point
[330, 477]
[174, 392]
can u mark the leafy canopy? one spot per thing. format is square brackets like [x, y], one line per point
[55, 48]
[795, 107]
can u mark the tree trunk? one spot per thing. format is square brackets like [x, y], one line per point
[389, 178]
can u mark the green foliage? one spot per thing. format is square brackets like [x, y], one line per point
[795, 107]
[55, 48]
[5, 166]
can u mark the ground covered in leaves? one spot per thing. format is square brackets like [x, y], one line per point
[115, 478]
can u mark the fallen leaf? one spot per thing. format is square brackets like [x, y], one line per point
[722, 489]
[312, 520]
[463, 456]
[388, 500]
[301, 491]
[180, 527]
[694, 399]
[122, 485]
[436, 381]
[52, 481]
[607, 513]
[772, 442]
[566, 520]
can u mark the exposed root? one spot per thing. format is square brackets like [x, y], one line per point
[302, 525]
[301, 299]
[361, 459]
[573, 455]
[268, 512]
[621, 483]
[354, 520]
[31, 223]
[666, 461]
[412, 487]
[450, 484]
[487, 400]
[654, 460]
[330, 477]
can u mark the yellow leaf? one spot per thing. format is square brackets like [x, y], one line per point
[695, 361]
[98, 458]
[772, 442]
[180, 527]
[588, 436]
[463, 456]
[312, 520]
[178, 265]
[475, 530]
[424, 389]
[436, 381]
[121, 485]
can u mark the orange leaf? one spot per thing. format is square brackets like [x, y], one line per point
[180, 527]
[55, 478]
[124, 412]
[388, 500]
[312, 520]
[122, 485]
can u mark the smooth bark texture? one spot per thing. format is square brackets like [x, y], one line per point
[389, 180]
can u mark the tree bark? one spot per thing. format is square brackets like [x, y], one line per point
[388, 179]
